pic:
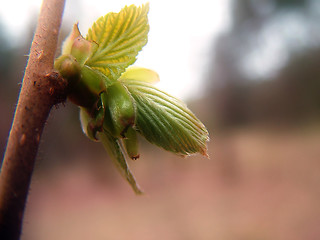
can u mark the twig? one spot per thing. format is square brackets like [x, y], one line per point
[41, 89]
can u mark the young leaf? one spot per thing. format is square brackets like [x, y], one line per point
[113, 148]
[120, 36]
[166, 121]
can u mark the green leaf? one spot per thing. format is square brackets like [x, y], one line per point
[120, 36]
[113, 148]
[166, 121]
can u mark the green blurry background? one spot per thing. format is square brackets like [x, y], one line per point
[260, 101]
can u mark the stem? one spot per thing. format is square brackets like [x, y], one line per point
[41, 89]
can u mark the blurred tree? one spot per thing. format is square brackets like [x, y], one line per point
[249, 81]
[6, 68]
[5, 55]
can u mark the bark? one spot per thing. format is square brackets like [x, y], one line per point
[41, 89]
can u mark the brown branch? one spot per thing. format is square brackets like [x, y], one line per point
[41, 89]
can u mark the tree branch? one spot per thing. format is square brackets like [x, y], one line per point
[41, 89]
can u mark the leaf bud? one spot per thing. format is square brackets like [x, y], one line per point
[130, 143]
[120, 109]
[82, 49]
[86, 92]
[68, 67]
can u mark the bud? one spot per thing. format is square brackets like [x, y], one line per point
[130, 143]
[91, 123]
[78, 46]
[86, 92]
[69, 68]
[82, 49]
[67, 44]
[120, 109]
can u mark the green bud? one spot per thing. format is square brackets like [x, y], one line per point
[86, 93]
[78, 46]
[85, 83]
[92, 122]
[130, 143]
[82, 49]
[120, 109]
[67, 44]
[69, 69]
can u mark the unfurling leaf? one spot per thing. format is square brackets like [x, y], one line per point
[166, 121]
[120, 36]
[111, 144]
[113, 148]
[117, 101]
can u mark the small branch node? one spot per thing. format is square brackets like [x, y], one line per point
[58, 87]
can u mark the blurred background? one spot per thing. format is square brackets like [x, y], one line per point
[250, 70]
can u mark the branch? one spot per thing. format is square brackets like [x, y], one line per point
[41, 89]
